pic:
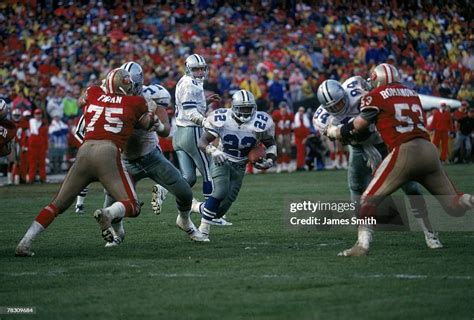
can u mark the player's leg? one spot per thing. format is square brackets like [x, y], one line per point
[393, 172]
[78, 177]
[437, 182]
[209, 209]
[359, 173]
[420, 212]
[164, 173]
[79, 207]
[182, 142]
[236, 178]
[203, 163]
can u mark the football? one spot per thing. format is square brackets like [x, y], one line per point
[256, 153]
[162, 113]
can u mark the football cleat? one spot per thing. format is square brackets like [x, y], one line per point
[23, 251]
[467, 201]
[80, 209]
[356, 251]
[158, 195]
[432, 240]
[120, 231]
[105, 222]
[204, 229]
[220, 222]
[188, 226]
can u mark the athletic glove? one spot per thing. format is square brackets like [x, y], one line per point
[263, 164]
[217, 155]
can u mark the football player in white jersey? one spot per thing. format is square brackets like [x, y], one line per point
[143, 158]
[191, 109]
[340, 104]
[239, 129]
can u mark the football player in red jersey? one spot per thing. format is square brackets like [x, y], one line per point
[110, 115]
[7, 130]
[397, 113]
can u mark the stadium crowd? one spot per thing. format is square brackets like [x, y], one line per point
[280, 51]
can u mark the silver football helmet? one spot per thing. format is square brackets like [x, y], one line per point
[243, 105]
[136, 73]
[332, 97]
[3, 109]
[384, 74]
[16, 115]
[196, 67]
[158, 94]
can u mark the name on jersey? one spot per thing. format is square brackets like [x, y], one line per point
[402, 92]
[105, 98]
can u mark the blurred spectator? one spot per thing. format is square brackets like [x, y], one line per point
[276, 90]
[283, 121]
[71, 109]
[58, 134]
[55, 104]
[21, 102]
[442, 124]
[431, 44]
[301, 127]
[296, 81]
[37, 147]
[463, 145]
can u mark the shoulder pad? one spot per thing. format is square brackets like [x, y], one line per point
[262, 121]
[219, 117]
[188, 81]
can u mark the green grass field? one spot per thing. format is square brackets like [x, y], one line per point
[256, 269]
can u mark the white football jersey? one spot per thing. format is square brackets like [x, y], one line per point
[189, 95]
[355, 91]
[141, 142]
[236, 140]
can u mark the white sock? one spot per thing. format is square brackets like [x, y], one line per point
[116, 210]
[364, 236]
[80, 201]
[205, 227]
[33, 231]
[17, 180]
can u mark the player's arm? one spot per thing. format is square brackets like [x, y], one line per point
[161, 124]
[80, 131]
[357, 130]
[190, 102]
[163, 127]
[268, 140]
[206, 145]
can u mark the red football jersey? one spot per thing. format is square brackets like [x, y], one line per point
[111, 117]
[7, 131]
[400, 115]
